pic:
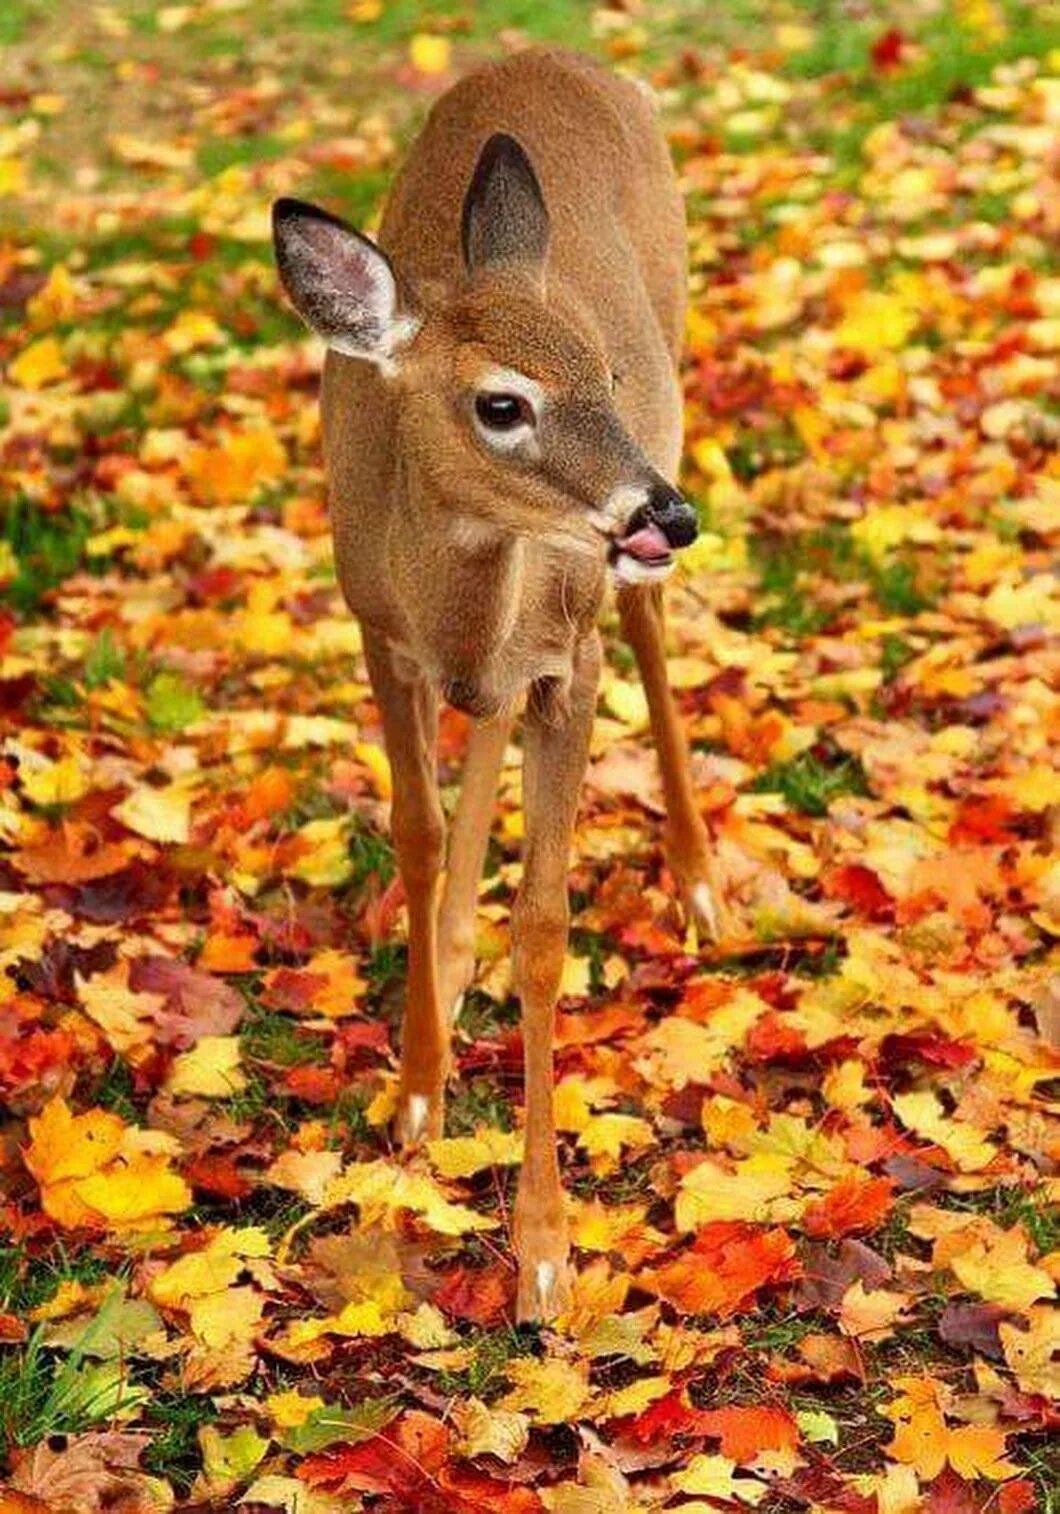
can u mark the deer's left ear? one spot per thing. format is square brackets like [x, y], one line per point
[505, 219]
[341, 284]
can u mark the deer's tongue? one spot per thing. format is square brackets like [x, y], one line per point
[646, 545]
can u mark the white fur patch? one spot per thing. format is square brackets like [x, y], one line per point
[630, 570]
[619, 508]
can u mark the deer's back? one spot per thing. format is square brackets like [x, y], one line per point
[617, 219]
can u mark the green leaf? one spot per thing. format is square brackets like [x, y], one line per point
[172, 704]
[818, 1427]
[326, 1426]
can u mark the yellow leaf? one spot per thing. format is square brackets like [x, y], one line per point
[382, 1191]
[875, 321]
[162, 814]
[191, 330]
[429, 54]
[323, 859]
[924, 1441]
[40, 363]
[125, 1017]
[921, 1111]
[211, 1068]
[463, 1156]
[290, 1409]
[1034, 1353]
[64, 1145]
[12, 177]
[996, 1267]
[221, 1319]
[56, 300]
[210, 1270]
[715, 1477]
[62, 782]
[135, 1194]
[551, 1390]
[755, 1191]
[626, 700]
[606, 1136]
[490, 1432]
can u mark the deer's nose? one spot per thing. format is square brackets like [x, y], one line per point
[673, 515]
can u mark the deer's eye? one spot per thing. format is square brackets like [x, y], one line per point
[503, 412]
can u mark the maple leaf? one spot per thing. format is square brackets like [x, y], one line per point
[724, 1268]
[552, 1390]
[715, 1477]
[924, 1441]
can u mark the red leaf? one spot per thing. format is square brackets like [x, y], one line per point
[402, 1460]
[858, 886]
[482, 1295]
[888, 51]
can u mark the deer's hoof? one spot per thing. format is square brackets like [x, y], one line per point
[707, 907]
[544, 1288]
[419, 1118]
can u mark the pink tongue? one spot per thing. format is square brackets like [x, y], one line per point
[647, 545]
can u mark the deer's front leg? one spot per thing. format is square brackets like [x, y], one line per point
[688, 849]
[410, 720]
[554, 759]
[468, 839]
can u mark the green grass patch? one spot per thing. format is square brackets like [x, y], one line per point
[810, 783]
[49, 546]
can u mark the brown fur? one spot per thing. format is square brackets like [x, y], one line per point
[478, 577]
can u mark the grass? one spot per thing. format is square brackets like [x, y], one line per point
[790, 566]
[810, 782]
[42, 1395]
[175, 1420]
[49, 547]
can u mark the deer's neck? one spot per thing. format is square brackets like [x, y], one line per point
[461, 583]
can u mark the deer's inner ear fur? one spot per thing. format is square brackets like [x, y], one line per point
[505, 219]
[341, 284]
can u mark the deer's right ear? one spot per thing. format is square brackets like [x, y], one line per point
[341, 284]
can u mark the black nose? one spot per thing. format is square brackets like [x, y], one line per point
[674, 516]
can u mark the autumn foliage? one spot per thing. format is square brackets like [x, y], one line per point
[811, 1169]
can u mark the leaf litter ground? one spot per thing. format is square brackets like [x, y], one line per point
[812, 1170]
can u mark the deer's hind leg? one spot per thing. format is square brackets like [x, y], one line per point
[409, 708]
[468, 840]
[688, 849]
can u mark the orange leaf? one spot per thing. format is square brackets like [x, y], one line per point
[745, 1432]
[723, 1269]
[852, 1205]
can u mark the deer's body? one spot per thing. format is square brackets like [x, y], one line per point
[514, 427]
[616, 267]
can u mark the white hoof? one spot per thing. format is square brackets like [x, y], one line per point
[706, 910]
[416, 1116]
[545, 1281]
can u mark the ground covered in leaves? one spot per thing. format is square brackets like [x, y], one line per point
[810, 1170]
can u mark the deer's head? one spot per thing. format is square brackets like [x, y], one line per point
[504, 403]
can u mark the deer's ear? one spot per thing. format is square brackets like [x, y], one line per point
[505, 218]
[341, 284]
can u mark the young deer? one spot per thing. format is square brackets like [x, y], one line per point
[502, 422]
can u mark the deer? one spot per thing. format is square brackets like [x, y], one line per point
[502, 426]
